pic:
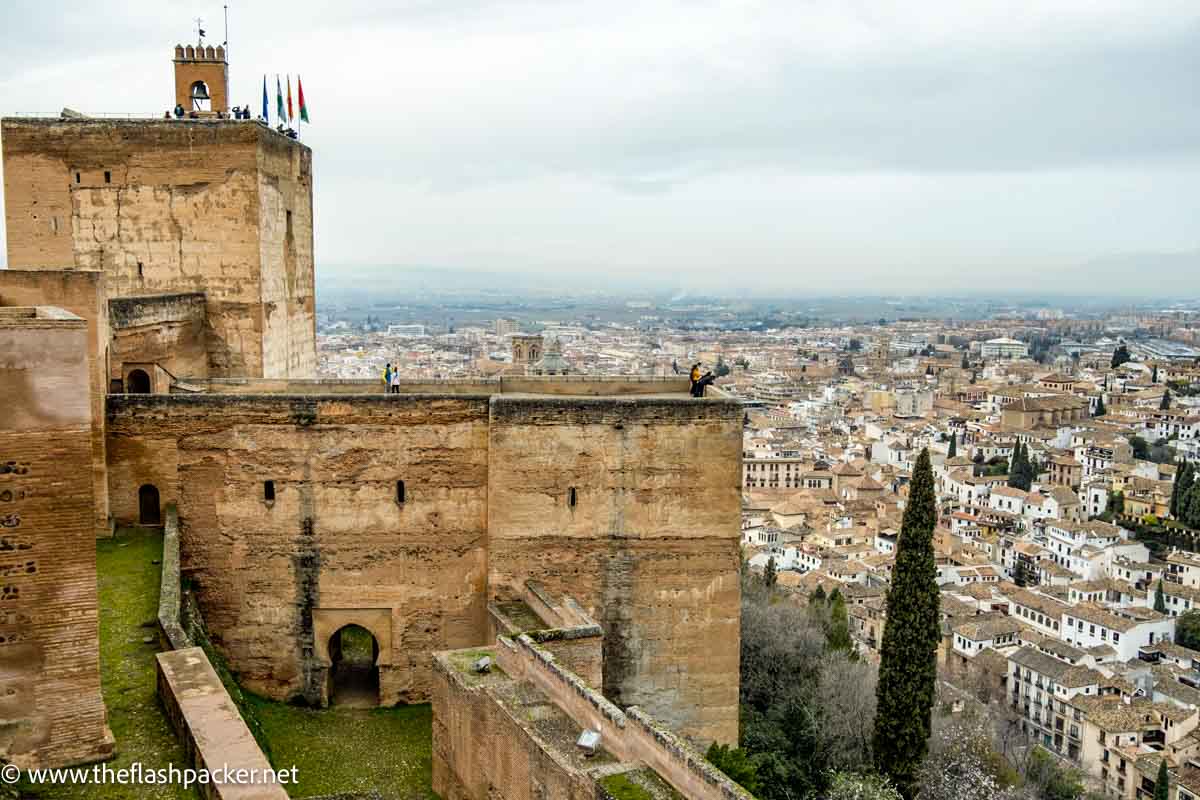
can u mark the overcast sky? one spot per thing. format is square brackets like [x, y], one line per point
[840, 145]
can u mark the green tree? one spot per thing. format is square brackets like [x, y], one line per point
[1166, 401]
[1160, 601]
[818, 595]
[1162, 786]
[770, 576]
[1116, 503]
[1187, 629]
[1020, 472]
[966, 363]
[1120, 356]
[1100, 409]
[735, 763]
[953, 445]
[837, 634]
[1179, 489]
[1154, 374]
[908, 655]
[1190, 506]
[1141, 448]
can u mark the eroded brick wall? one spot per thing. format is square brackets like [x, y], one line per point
[49, 624]
[83, 294]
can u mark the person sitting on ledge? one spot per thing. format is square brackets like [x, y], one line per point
[702, 384]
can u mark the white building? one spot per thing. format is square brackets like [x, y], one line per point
[1003, 348]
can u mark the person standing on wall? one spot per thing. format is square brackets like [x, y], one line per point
[695, 376]
[396, 381]
[387, 378]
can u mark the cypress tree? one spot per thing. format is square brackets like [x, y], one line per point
[908, 654]
[1162, 790]
[1166, 401]
[1160, 602]
[769, 573]
[818, 595]
[953, 445]
[1183, 482]
[1190, 507]
[1100, 409]
[837, 636]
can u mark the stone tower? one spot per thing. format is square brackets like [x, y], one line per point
[199, 205]
[526, 351]
[201, 78]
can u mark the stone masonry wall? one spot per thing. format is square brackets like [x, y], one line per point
[82, 292]
[334, 537]
[168, 330]
[49, 622]
[165, 207]
[286, 253]
[649, 550]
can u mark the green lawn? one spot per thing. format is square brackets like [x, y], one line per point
[128, 581]
[351, 750]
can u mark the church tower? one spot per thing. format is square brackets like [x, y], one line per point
[201, 78]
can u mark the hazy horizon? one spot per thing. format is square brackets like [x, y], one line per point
[771, 146]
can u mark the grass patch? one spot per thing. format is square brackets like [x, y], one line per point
[640, 784]
[387, 750]
[128, 582]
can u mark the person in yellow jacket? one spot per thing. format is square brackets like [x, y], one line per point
[387, 378]
[695, 376]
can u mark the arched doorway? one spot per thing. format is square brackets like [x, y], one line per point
[138, 382]
[353, 671]
[149, 512]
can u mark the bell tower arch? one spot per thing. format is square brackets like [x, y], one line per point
[201, 78]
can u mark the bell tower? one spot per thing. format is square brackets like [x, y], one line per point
[201, 78]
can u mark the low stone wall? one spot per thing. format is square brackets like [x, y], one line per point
[490, 740]
[190, 688]
[213, 733]
[586, 385]
[630, 736]
[170, 606]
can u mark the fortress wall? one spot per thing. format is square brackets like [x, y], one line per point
[166, 207]
[164, 329]
[49, 622]
[286, 253]
[650, 549]
[568, 385]
[334, 537]
[81, 292]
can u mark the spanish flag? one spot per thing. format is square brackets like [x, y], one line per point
[290, 114]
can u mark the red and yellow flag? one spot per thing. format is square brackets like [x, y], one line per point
[303, 105]
[289, 84]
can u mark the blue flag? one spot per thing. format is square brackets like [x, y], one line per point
[266, 115]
